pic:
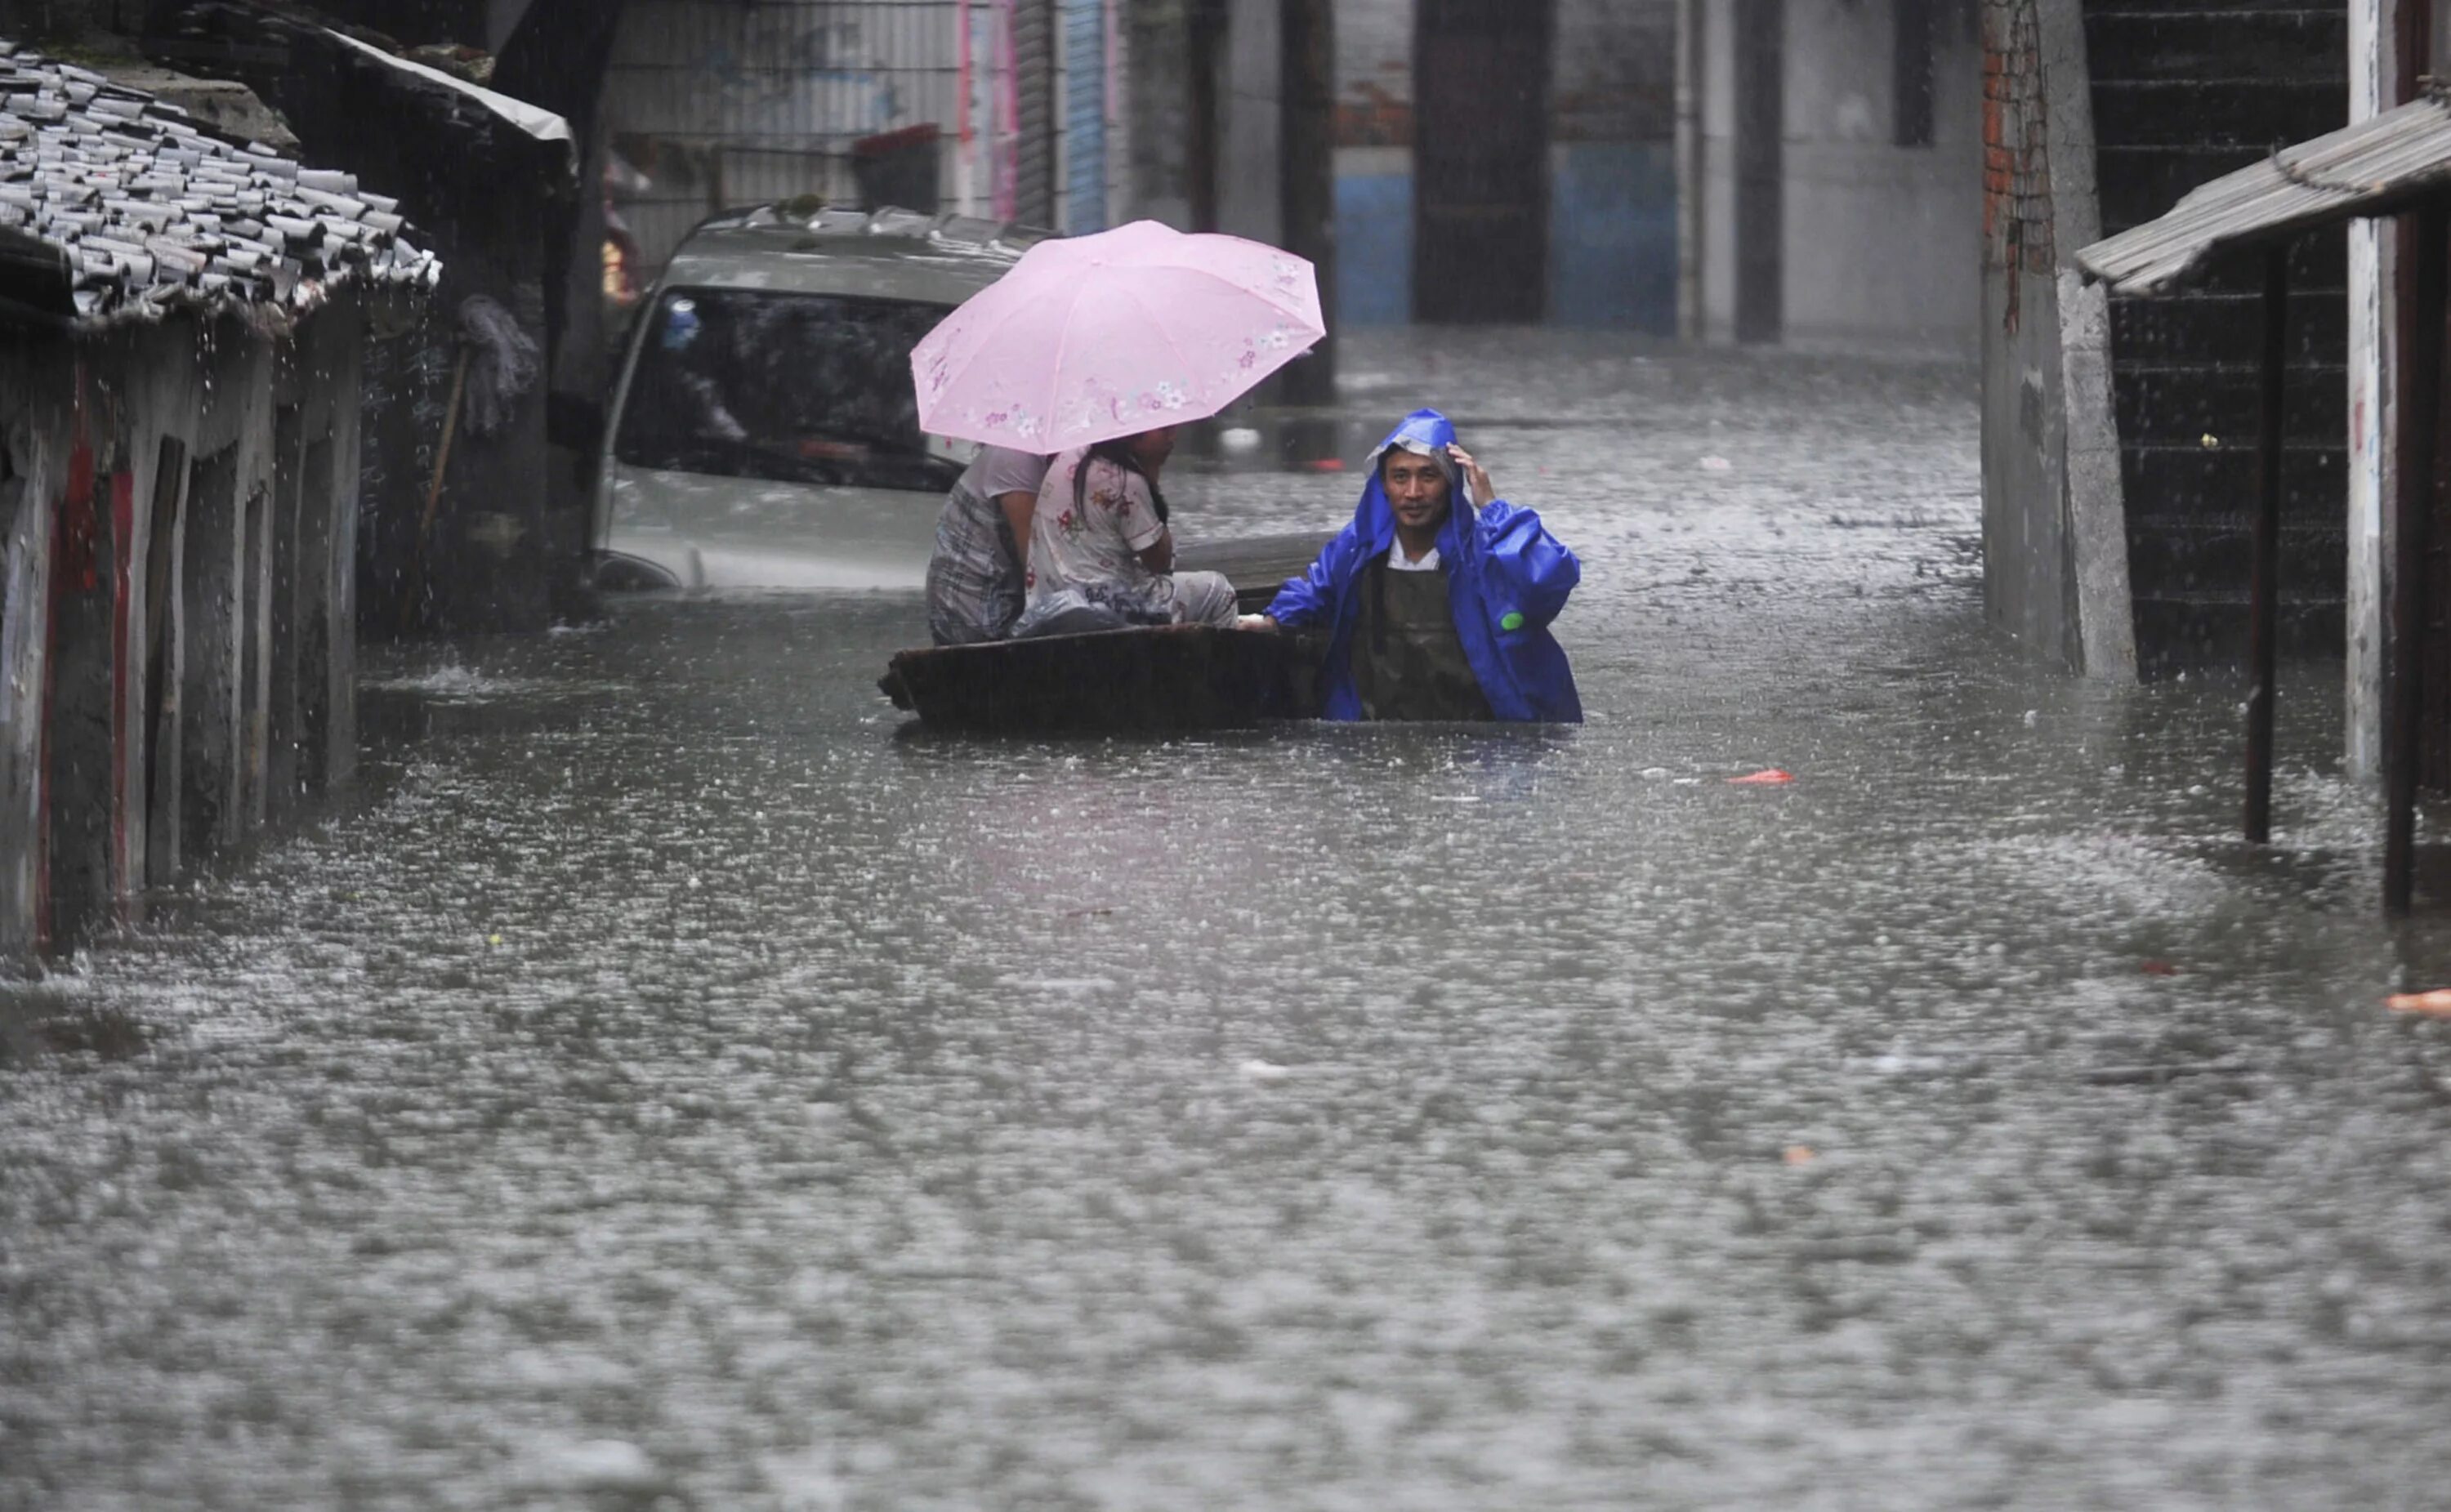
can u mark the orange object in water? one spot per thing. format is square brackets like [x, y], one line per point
[1764, 779]
[1797, 1154]
[2159, 969]
[1324, 465]
[2437, 1003]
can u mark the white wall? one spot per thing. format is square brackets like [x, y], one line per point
[1880, 246]
[1882, 242]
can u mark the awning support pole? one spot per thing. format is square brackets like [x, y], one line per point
[2412, 509]
[2264, 607]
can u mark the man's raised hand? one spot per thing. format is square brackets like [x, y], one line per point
[1476, 478]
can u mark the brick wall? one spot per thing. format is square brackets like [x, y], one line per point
[2016, 161]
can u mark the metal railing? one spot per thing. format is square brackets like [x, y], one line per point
[718, 103]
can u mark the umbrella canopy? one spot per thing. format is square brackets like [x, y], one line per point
[1089, 337]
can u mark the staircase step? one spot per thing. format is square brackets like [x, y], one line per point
[2197, 556]
[2187, 633]
[2221, 327]
[2186, 404]
[2213, 47]
[2241, 113]
[2201, 482]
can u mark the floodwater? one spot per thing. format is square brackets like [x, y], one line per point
[670, 1084]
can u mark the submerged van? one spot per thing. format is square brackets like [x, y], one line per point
[765, 433]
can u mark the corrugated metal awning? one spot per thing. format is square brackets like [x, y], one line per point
[2373, 167]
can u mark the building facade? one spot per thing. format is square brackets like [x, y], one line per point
[1833, 171]
[1010, 108]
[1506, 161]
[185, 325]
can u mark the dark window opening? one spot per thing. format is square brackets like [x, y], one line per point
[12, 485]
[1914, 72]
[806, 388]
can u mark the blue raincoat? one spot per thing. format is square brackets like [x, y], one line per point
[1506, 580]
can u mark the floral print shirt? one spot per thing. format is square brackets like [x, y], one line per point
[1092, 547]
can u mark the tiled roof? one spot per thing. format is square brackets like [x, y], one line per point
[116, 206]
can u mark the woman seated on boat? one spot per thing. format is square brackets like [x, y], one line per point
[974, 576]
[1435, 612]
[1101, 555]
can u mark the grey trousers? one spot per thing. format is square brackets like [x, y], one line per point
[1203, 598]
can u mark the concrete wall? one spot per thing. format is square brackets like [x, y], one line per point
[1877, 246]
[176, 634]
[1613, 249]
[2055, 531]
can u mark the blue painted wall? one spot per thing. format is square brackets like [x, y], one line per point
[1613, 236]
[1612, 240]
[1374, 248]
[1085, 115]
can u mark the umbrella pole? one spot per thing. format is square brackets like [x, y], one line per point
[2264, 608]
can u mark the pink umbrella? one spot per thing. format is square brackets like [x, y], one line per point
[1093, 337]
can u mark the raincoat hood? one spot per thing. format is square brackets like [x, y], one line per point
[1424, 433]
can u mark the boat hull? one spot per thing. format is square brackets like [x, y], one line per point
[1156, 680]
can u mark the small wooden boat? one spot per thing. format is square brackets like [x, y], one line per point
[1158, 678]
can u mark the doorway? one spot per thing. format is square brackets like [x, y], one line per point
[80, 744]
[208, 686]
[1480, 160]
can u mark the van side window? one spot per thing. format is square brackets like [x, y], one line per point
[811, 388]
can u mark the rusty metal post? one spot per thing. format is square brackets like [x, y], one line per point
[2263, 595]
[2412, 510]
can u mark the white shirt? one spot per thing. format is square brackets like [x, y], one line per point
[1398, 562]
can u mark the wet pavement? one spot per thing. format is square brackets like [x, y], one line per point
[670, 1083]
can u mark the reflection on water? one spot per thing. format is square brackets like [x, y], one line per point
[666, 1083]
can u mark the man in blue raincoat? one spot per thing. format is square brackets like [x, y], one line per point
[1435, 612]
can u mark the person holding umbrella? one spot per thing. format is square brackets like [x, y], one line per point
[1092, 349]
[1101, 551]
[1435, 609]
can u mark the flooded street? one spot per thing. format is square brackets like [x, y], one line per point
[669, 1082]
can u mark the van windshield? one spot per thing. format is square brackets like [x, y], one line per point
[811, 388]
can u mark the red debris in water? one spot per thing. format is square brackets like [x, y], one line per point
[1324, 465]
[2158, 968]
[1762, 779]
[2435, 1004]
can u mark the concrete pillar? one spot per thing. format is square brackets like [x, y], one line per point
[1249, 200]
[2055, 554]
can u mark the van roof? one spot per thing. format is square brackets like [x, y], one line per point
[886, 254]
